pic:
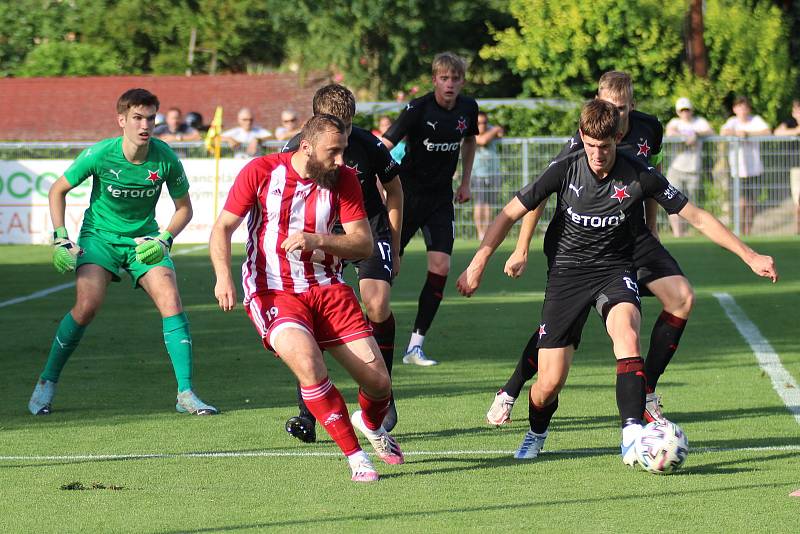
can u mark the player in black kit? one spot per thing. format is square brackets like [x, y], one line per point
[370, 158]
[590, 248]
[437, 126]
[657, 271]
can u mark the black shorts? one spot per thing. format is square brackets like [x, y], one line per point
[379, 265]
[653, 261]
[571, 294]
[751, 188]
[434, 215]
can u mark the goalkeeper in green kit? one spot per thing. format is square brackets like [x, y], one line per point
[119, 231]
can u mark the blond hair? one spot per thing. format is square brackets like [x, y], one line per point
[448, 61]
[616, 83]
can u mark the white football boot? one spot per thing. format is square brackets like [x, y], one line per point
[531, 445]
[188, 402]
[417, 357]
[42, 397]
[500, 410]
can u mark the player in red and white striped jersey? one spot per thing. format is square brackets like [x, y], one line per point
[294, 292]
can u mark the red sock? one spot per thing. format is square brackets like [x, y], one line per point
[326, 404]
[373, 411]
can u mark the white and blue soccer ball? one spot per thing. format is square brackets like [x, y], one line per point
[662, 447]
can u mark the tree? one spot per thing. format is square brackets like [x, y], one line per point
[561, 49]
[382, 46]
[748, 49]
[69, 59]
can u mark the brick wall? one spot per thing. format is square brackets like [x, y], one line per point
[82, 109]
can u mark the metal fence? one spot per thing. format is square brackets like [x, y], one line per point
[766, 204]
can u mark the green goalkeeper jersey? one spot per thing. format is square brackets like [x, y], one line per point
[124, 194]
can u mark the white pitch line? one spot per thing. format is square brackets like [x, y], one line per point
[306, 454]
[783, 382]
[54, 289]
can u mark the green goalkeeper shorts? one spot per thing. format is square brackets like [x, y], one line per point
[114, 252]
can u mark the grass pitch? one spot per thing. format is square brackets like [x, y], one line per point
[115, 457]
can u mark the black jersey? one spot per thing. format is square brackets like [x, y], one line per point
[643, 139]
[370, 158]
[594, 224]
[434, 141]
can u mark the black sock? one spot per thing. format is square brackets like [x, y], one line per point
[527, 366]
[663, 344]
[302, 405]
[539, 416]
[384, 336]
[630, 388]
[429, 299]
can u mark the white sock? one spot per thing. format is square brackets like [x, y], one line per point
[356, 457]
[630, 432]
[416, 340]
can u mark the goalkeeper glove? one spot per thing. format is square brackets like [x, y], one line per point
[65, 255]
[151, 250]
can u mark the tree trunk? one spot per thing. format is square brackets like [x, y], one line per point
[698, 58]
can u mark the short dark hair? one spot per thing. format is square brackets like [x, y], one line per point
[136, 97]
[319, 124]
[741, 99]
[599, 119]
[336, 100]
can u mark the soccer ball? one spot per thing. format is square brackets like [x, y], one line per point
[662, 447]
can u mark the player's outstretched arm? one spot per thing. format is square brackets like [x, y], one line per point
[394, 207]
[718, 233]
[219, 248]
[470, 279]
[468, 146]
[518, 260]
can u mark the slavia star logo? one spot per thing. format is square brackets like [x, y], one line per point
[542, 331]
[462, 125]
[644, 149]
[154, 177]
[620, 193]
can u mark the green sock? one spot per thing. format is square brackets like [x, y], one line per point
[179, 346]
[68, 336]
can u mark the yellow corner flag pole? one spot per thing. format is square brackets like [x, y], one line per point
[213, 145]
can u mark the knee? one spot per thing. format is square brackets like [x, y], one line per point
[379, 385]
[681, 301]
[546, 390]
[377, 309]
[439, 265]
[84, 311]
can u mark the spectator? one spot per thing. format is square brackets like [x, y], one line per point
[745, 156]
[485, 173]
[174, 129]
[791, 126]
[684, 171]
[383, 124]
[290, 126]
[245, 139]
[195, 120]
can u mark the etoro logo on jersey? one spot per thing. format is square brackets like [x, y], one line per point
[440, 147]
[595, 221]
[118, 192]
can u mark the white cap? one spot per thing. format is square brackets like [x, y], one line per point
[683, 103]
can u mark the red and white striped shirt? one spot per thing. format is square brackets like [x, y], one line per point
[280, 203]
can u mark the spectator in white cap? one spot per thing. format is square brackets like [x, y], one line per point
[684, 170]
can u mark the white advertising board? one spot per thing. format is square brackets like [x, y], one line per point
[25, 214]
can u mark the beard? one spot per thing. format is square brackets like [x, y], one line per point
[324, 177]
